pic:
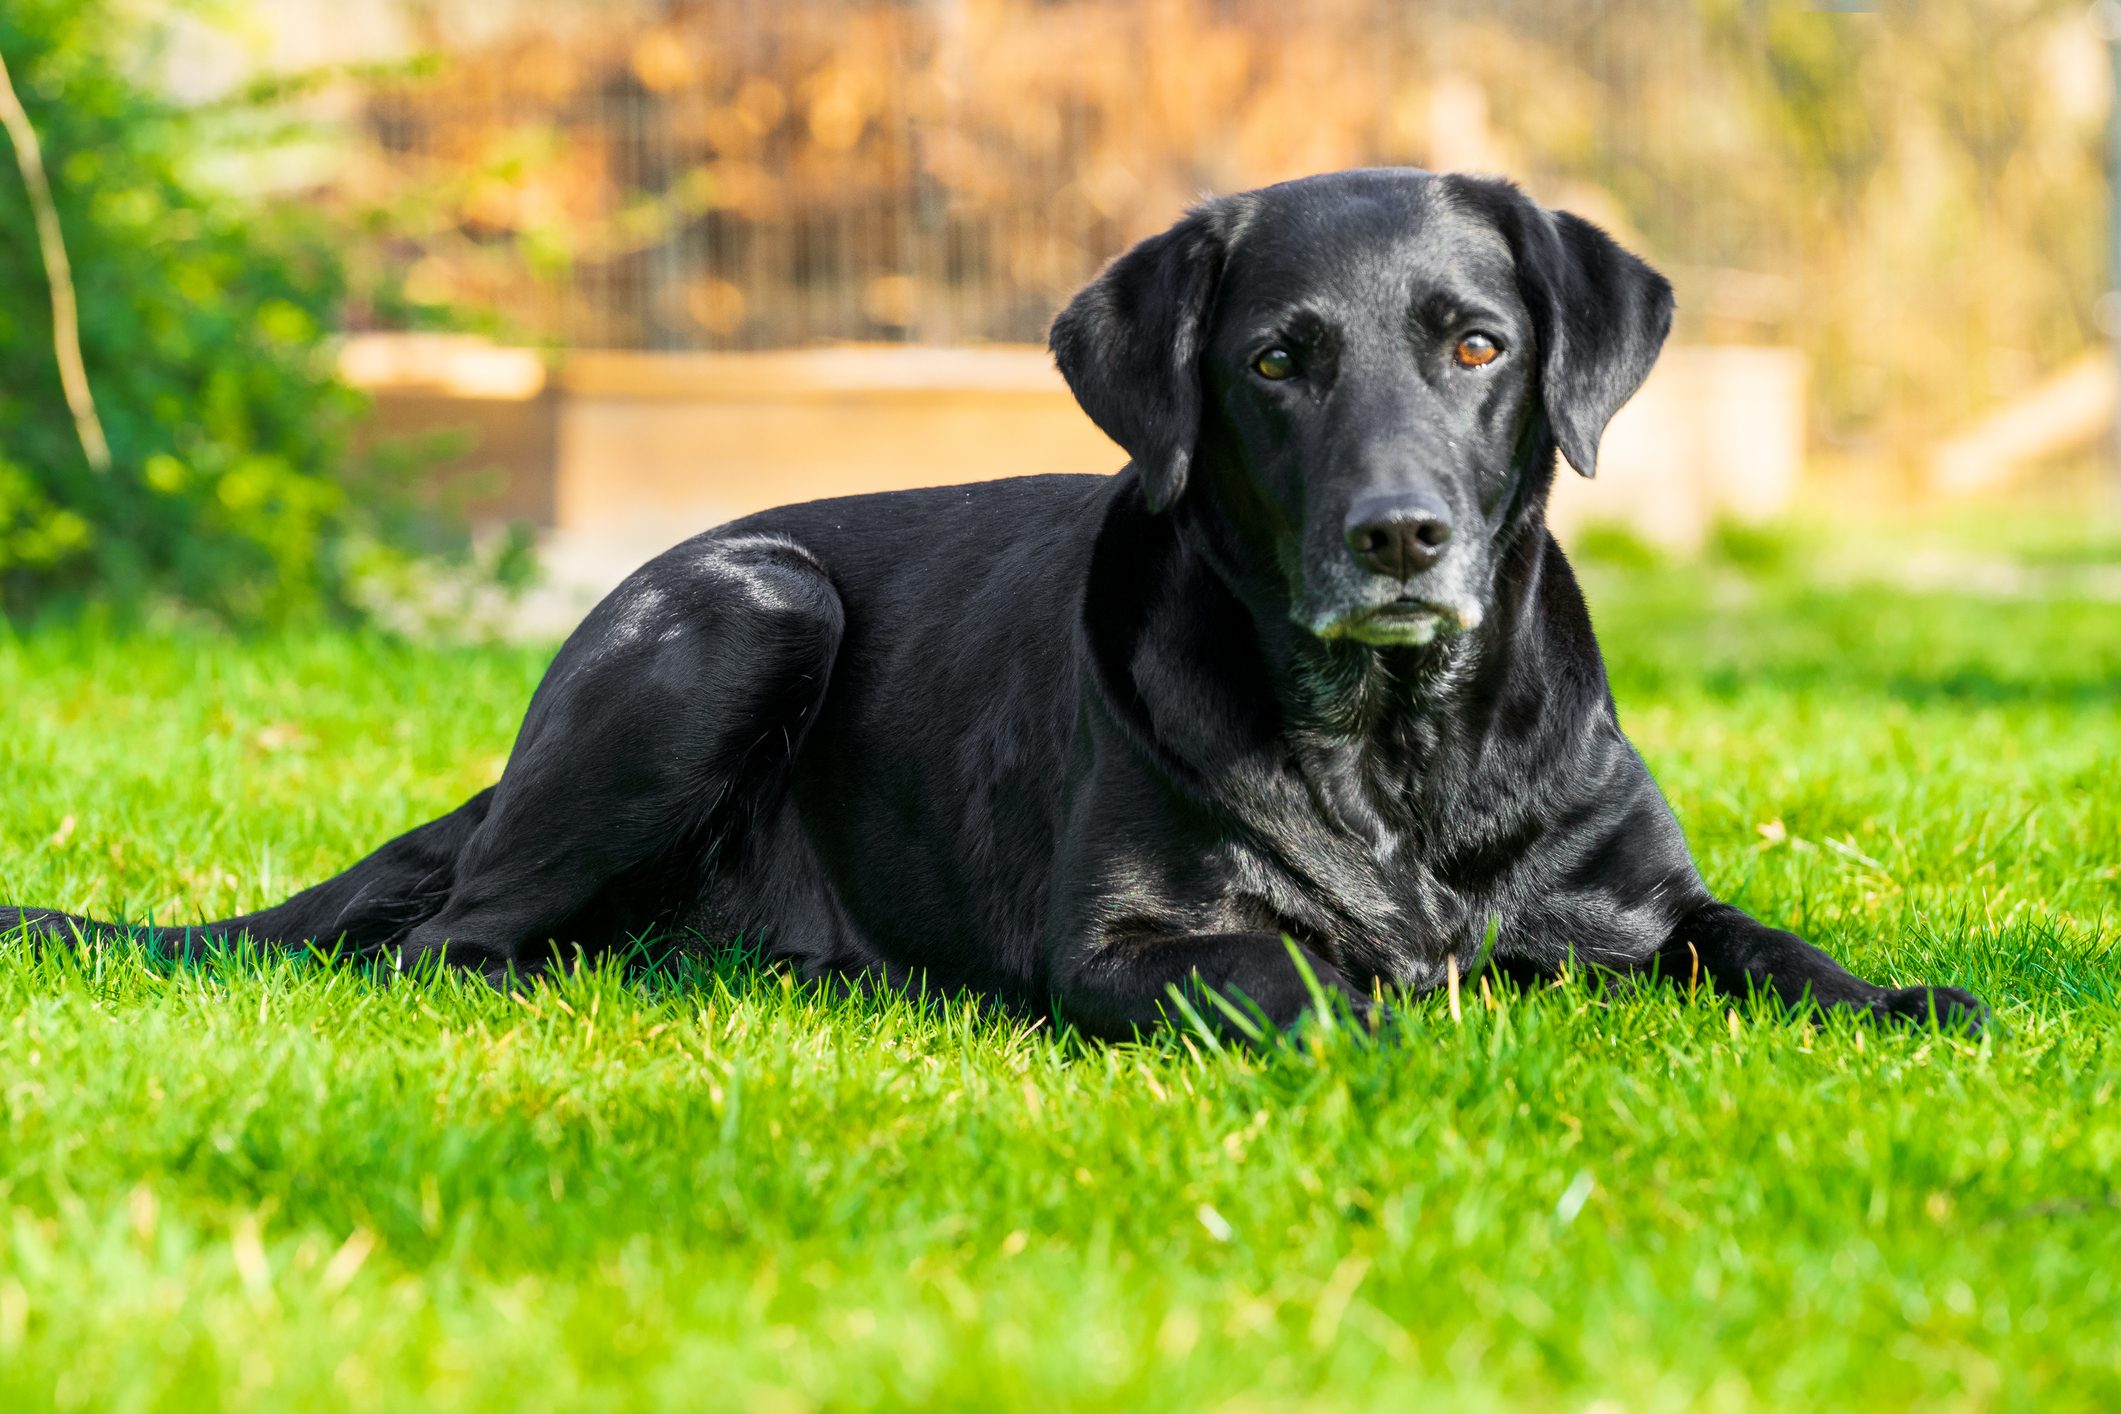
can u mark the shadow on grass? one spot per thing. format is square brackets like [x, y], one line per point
[1962, 685]
[687, 971]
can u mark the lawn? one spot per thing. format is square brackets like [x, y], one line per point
[300, 1185]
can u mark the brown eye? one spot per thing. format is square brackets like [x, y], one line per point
[1476, 351]
[1276, 364]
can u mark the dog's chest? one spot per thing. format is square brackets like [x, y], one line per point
[1352, 871]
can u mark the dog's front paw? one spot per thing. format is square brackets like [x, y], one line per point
[1953, 1008]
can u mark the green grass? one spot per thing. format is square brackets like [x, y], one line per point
[301, 1186]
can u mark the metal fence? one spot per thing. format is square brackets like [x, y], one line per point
[732, 173]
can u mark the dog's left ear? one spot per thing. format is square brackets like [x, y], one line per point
[1600, 314]
[1129, 345]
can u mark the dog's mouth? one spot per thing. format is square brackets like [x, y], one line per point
[1405, 622]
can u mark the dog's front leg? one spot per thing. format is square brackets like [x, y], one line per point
[1740, 954]
[1117, 988]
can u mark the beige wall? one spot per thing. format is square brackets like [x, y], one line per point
[636, 451]
[648, 441]
[1717, 432]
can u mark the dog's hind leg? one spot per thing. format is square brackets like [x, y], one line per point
[668, 719]
[670, 714]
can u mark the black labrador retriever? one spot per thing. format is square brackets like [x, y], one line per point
[1309, 679]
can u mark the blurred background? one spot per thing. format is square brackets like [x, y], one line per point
[390, 302]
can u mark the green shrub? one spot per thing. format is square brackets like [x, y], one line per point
[1752, 548]
[1610, 543]
[203, 318]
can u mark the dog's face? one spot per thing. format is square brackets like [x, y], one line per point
[1365, 374]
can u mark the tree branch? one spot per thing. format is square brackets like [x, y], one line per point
[66, 328]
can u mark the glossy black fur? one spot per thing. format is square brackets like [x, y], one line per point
[1069, 740]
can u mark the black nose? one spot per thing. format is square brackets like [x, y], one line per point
[1398, 536]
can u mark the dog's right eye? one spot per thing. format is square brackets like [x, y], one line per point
[1275, 364]
[1476, 350]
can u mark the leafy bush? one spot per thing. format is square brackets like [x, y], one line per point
[231, 487]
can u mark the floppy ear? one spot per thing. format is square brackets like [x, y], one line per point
[1129, 344]
[1600, 314]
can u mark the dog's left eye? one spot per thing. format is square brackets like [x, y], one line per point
[1275, 364]
[1476, 351]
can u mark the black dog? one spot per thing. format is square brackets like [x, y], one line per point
[1310, 667]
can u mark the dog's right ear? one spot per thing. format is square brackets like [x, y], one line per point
[1129, 345]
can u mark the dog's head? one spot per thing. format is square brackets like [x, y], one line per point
[1363, 376]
